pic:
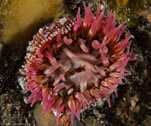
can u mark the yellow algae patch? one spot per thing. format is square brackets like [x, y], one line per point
[21, 19]
[129, 10]
[44, 120]
[122, 3]
[48, 119]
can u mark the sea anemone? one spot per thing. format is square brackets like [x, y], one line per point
[74, 63]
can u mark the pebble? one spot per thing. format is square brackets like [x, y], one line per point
[95, 111]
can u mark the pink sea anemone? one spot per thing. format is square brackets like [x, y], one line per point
[74, 63]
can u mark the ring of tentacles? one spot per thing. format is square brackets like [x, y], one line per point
[74, 63]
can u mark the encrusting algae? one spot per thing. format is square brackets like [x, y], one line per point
[129, 10]
[21, 18]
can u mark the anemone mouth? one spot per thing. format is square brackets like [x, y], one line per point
[71, 63]
[77, 67]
